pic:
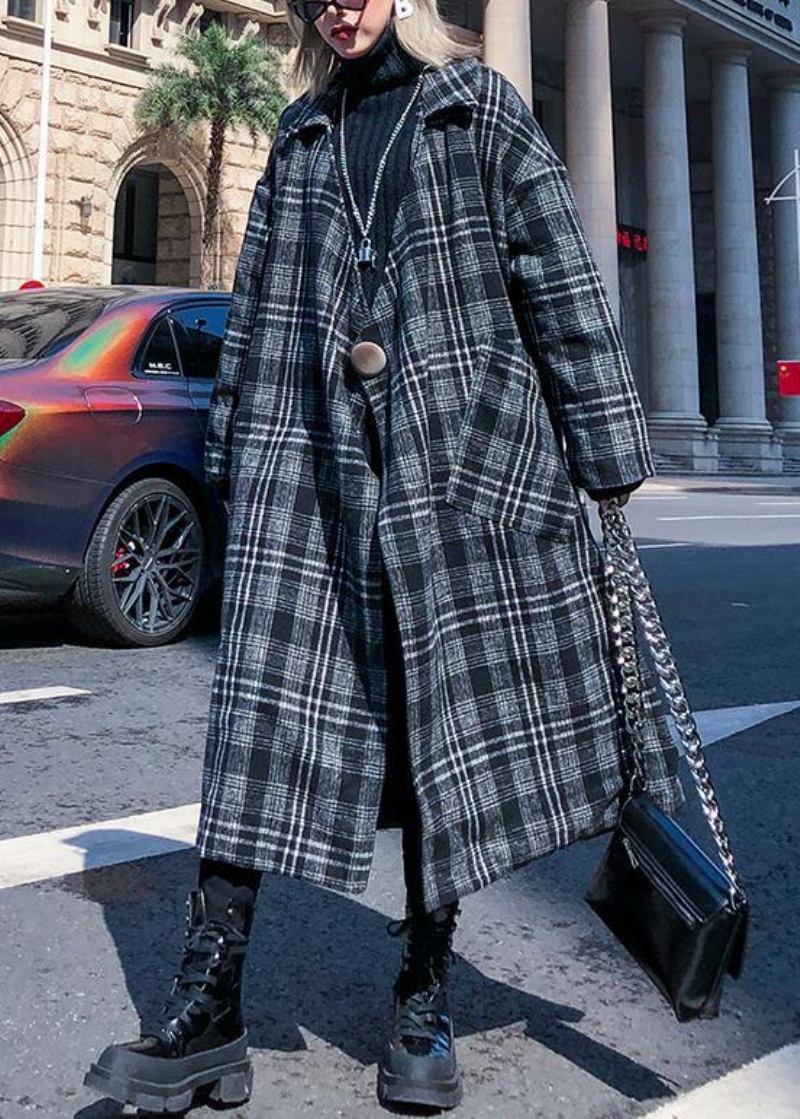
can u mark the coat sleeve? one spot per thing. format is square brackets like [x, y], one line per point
[563, 310]
[239, 327]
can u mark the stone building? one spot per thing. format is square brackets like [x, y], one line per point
[120, 206]
[676, 119]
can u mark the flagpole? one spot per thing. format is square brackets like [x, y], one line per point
[797, 202]
[789, 368]
[44, 123]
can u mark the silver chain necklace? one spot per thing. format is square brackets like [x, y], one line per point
[366, 253]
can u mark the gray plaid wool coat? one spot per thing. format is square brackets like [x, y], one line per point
[507, 389]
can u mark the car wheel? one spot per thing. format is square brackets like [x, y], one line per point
[144, 567]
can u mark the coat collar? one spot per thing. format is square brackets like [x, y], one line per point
[443, 88]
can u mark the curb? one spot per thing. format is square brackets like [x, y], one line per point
[714, 483]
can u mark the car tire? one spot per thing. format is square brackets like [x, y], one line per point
[107, 599]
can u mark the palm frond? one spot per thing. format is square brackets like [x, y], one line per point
[220, 83]
[235, 83]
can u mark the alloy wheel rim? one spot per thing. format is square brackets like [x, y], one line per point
[155, 569]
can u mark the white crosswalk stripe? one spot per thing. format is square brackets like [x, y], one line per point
[734, 517]
[768, 1088]
[33, 858]
[723, 722]
[30, 695]
[52, 854]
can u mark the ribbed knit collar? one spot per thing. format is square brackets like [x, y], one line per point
[387, 63]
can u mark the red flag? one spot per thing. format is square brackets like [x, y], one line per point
[789, 378]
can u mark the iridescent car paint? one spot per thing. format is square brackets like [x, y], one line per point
[79, 422]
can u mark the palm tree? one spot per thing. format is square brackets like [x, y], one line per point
[228, 83]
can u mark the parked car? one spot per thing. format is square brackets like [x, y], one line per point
[103, 407]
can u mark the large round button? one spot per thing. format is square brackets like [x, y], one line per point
[368, 358]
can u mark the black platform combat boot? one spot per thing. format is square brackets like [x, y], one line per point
[199, 1038]
[418, 1065]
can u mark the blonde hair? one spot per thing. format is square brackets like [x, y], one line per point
[425, 35]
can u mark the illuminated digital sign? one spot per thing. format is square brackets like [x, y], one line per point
[631, 239]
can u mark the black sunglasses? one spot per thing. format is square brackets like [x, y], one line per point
[310, 10]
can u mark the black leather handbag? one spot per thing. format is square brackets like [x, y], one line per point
[676, 912]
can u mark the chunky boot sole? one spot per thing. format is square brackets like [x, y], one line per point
[396, 1088]
[168, 1084]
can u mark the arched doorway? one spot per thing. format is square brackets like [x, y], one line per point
[16, 208]
[152, 229]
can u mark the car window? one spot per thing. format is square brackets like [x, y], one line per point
[59, 344]
[200, 330]
[160, 358]
[37, 324]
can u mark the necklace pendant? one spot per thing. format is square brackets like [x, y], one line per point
[366, 254]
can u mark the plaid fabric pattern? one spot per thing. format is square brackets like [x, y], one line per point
[506, 387]
[239, 325]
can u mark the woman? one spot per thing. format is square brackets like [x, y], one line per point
[421, 368]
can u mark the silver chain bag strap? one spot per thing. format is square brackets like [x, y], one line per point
[682, 918]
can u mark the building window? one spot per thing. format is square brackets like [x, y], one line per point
[463, 13]
[209, 16]
[120, 29]
[22, 9]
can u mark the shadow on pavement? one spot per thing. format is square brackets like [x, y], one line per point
[324, 962]
[34, 624]
[40, 623]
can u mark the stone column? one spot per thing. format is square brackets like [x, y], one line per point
[590, 133]
[678, 430]
[507, 42]
[746, 439]
[784, 115]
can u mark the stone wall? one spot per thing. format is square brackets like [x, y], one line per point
[173, 262]
[93, 143]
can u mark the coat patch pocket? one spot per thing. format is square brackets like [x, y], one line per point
[508, 466]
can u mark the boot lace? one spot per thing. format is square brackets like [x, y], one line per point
[207, 948]
[422, 1019]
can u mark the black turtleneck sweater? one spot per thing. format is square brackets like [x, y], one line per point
[379, 84]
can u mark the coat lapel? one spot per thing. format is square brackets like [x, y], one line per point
[446, 91]
[446, 88]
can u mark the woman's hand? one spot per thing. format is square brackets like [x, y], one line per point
[603, 502]
[621, 493]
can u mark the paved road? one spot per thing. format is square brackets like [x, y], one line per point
[553, 1020]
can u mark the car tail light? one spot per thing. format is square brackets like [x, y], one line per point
[10, 415]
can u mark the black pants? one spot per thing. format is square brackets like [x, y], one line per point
[399, 806]
[229, 875]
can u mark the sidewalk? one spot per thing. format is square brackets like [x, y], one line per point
[721, 483]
